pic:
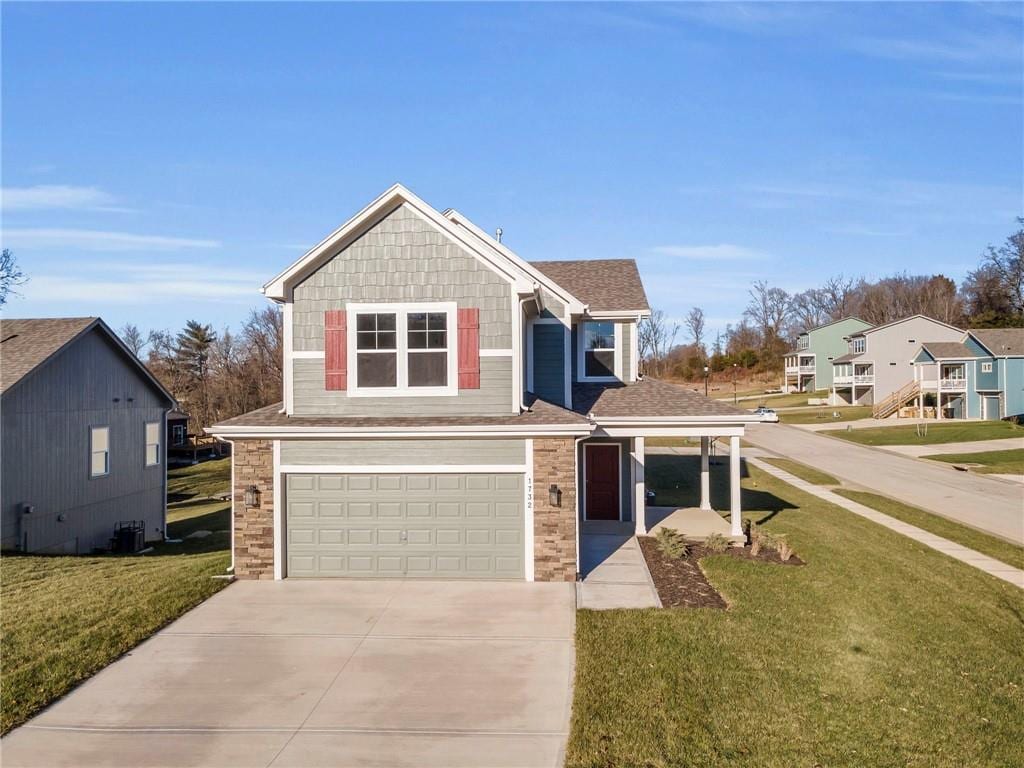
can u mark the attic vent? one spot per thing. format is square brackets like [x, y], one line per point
[911, 341]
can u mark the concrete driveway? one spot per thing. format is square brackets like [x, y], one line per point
[330, 673]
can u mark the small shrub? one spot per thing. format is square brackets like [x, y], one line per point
[672, 544]
[716, 543]
[758, 540]
[784, 548]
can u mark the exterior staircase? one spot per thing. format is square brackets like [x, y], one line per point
[896, 400]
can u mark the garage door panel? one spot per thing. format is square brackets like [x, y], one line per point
[443, 525]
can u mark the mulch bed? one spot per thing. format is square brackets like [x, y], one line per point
[680, 581]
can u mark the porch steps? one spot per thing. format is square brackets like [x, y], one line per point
[896, 400]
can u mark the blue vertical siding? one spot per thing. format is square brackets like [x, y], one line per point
[549, 362]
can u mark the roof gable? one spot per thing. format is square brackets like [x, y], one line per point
[1000, 342]
[861, 325]
[902, 320]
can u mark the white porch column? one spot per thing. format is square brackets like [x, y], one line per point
[705, 473]
[639, 488]
[734, 486]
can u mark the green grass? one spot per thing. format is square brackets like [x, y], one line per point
[65, 618]
[804, 472]
[936, 434]
[825, 414]
[878, 652]
[787, 400]
[992, 546]
[209, 478]
[992, 462]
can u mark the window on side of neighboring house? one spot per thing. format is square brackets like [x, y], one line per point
[179, 433]
[986, 367]
[599, 349]
[99, 451]
[152, 443]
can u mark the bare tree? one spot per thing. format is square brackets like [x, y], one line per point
[695, 326]
[1007, 263]
[132, 338]
[808, 309]
[838, 297]
[10, 275]
[656, 337]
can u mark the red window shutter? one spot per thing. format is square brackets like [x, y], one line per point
[335, 350]
[469, 348]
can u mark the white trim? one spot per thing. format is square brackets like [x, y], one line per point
[159, 444]
[695, 431]
[401, 310]
[735, 478]
[567, 363]
[685, 420]
[528, 500]
[618, 473]
[634, 352]
[529, 354]
[279, 517]
[639, 487]
[320, 432]
[614, 314]
[289, 354]
[231, 519]
[392, 198]
[312, 354]
[497, 352]
[393, 469]
[581, 368]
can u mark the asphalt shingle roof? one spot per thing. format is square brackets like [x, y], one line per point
[1001, 341]
[945, 350]
[607, 285]
[647, 398]
[26, 344]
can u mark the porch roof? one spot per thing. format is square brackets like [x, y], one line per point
[847, 358]
[652, 399]
[948, 350]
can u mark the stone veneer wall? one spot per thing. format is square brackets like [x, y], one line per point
[253, 527]
[554, 528]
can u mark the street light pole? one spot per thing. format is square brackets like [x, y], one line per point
[706, 369]
[734, 398]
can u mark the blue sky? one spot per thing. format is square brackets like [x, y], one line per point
[161, 161]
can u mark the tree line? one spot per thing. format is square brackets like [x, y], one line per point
[990, 296]
[215, 376]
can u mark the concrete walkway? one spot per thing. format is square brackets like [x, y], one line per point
[993, 506]
[977, 446]
[339, 673]
[982, 562]
[614, 573]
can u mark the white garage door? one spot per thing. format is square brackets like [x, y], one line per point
[405, 525]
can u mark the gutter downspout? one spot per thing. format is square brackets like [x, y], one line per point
[231, 507]
[576, 480]
[524, 329]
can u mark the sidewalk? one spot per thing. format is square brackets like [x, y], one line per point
[976, 446]
[982, 562]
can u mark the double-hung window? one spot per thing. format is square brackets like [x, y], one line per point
[152, 443]
[600, 353]
[99, 451]
[986, 367]
[403, 349]
[857, 346]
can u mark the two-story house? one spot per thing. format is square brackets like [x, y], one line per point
[878, 367]
[809, 363]
[979, 377]
[451, 410]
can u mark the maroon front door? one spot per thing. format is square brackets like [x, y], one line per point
[601, 464]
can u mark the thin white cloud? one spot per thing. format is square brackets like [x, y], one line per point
[965, 49]
[97, 240]
[720, 252]
[57, 197]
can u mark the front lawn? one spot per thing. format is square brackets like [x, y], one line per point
[804, 472]
[931, 434]
[991, 462]
[65, 618]
[940, 526]
[878, 652]
[826, 414]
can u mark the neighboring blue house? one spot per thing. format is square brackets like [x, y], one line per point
[979, 377]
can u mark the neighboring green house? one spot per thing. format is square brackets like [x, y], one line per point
[809, 364]
[979, 377]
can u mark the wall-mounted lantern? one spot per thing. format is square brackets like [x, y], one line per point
[252, 496]
[554, 495]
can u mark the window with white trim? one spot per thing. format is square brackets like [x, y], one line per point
[600, 350]
[857, 346]
[179, 433]
[403, 349]
[986, 367]
[152, 443]
[99, 451]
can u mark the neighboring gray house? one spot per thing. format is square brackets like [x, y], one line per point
[83, 437]
[451, 410]
[878, 369]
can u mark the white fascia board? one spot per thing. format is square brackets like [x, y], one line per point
[485, 240]
[692, 431]
[279, 287]
[396, 432]
[680, 420]
[618, 314]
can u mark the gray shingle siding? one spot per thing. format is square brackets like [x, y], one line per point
[403, 452]
[549, 362]
[493, 398]
[402, 258]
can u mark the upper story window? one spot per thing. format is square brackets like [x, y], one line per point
[601, 354]
[152, 443]
[99, 451]
[403, 349]
[803, 342]
[986, 367]
[858, 345]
